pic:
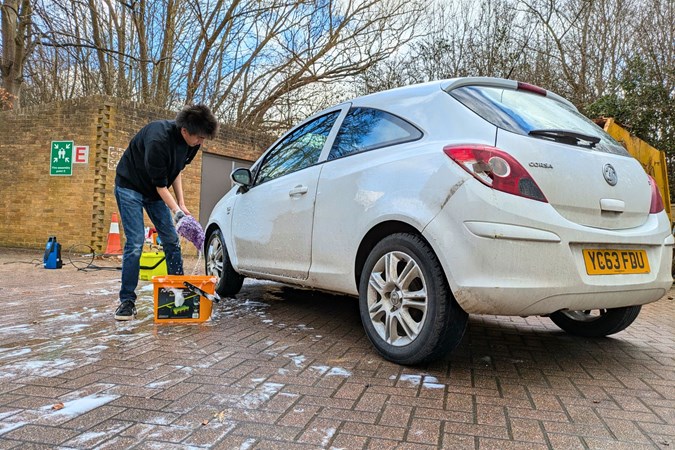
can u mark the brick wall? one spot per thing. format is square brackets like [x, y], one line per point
[78, 208]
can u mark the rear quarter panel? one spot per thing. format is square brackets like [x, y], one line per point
[408, 182]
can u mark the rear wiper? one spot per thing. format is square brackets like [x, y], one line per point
[567, 137]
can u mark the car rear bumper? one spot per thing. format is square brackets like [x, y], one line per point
[510, 301]
[512, 256]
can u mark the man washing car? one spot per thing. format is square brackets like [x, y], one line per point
[151, 164]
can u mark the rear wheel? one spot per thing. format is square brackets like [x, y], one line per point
[596, 323]
[407, 309]
[218, 264]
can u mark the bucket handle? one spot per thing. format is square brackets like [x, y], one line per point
[155, 266]
[198, 291]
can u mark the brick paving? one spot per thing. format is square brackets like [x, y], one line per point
[281, 368]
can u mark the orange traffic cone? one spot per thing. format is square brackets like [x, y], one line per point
[114, 245]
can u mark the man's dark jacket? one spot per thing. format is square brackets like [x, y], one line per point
[154, 158]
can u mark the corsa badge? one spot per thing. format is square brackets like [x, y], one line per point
[610, 175]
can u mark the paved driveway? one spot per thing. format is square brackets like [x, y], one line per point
[283, 368]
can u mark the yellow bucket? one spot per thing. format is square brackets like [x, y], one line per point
[152, 264]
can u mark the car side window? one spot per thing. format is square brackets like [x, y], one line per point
[299, 149]
[367, 128]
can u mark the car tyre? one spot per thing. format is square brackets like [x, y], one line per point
[407, 309]
[596, 323]
[218, 264]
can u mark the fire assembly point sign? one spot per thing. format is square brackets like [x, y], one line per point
[61, 161]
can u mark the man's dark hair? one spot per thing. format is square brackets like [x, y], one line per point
[198, 119]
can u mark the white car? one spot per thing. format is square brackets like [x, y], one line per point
[434, 201]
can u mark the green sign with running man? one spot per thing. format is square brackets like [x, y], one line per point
[61, 161]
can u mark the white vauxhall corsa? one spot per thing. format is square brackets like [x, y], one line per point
[455, 197]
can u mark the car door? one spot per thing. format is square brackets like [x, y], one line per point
[372, 172]
[272, 221]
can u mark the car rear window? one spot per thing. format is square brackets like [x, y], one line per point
[521, 112]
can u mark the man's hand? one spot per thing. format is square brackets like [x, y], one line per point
[177, 215]
[184, 209]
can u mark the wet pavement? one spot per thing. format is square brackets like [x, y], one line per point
[281, 368]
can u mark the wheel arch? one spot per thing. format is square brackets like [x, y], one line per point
[210, 228]
[220, 264]
[375, 235]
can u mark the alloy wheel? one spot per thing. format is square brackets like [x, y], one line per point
[214, 257]
[397, 298]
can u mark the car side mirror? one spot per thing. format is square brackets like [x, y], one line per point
[242, 177]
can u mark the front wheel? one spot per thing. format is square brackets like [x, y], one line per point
[408, 312]
[218, 264]
[596, 323]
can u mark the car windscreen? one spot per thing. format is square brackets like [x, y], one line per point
[535, 115]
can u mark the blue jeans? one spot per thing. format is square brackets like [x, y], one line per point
[130, 204]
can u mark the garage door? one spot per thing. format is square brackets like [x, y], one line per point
[216, 181]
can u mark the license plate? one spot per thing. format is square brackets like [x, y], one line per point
[614, 262]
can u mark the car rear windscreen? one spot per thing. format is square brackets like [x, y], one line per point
[524, 112]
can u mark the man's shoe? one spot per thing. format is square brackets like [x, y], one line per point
[126, 311]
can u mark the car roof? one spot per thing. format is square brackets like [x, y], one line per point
[433, 87]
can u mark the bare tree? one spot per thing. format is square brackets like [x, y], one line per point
[582, 43]
[248, 59]
[655, 40]
[16, 39]
[264, 64]
[245, 58]
[461, 38]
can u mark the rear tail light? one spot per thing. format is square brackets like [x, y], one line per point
[496, 169]
[657, 200]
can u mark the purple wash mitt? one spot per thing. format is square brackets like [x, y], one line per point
[190, 229]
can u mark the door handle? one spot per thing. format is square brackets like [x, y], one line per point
[298, 190]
